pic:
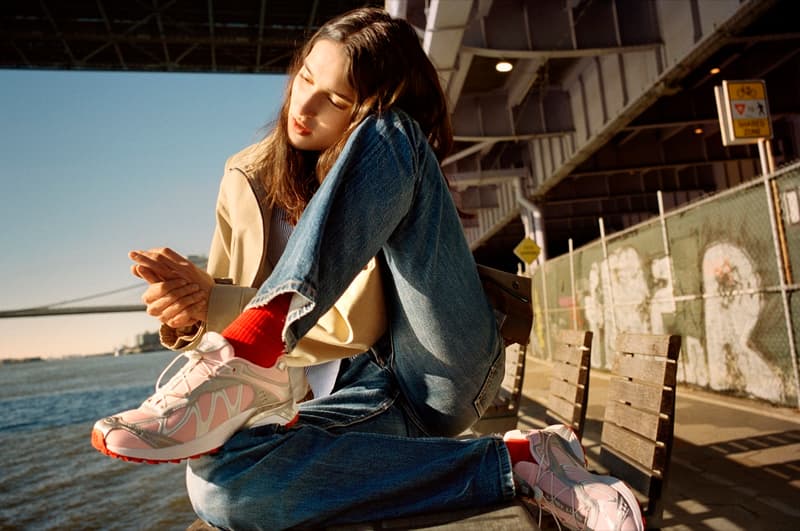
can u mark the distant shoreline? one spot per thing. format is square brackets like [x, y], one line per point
[36, 359]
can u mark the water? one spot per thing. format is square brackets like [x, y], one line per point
[51, 477]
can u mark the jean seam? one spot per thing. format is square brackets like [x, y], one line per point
[383, 407]
[481, 403]
[507, 489]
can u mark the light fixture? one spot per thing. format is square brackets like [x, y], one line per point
[698, 130]
[714, 71]
[503, 66]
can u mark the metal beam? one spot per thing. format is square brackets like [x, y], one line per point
[42, 312]
[558, 54]
[110, 30]
[658, 166]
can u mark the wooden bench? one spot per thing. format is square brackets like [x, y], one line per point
[639, 420]
[569, 383]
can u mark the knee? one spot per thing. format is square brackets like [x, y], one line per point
[210, 501]
[222, 501]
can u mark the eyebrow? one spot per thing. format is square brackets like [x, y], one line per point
[337, 94]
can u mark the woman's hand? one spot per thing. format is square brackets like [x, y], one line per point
[179, 291]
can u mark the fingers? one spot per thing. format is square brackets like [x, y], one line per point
[169, 290]
[187, 316]
[176, 302]
[160, 255]
[155, 261]
[179, 291]
[173, 256]
[167, 264]
[145, 273]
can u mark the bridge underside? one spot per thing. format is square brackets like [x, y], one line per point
[608, 102]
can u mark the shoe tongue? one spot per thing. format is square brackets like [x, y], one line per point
[215, 347]
[219, 355]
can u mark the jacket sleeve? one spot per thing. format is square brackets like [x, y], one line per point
[226, 300]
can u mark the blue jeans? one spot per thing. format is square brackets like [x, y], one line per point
[378, 446]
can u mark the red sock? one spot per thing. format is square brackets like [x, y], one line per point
[256, 335]
[519, 450]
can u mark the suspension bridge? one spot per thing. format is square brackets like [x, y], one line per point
[68, 307]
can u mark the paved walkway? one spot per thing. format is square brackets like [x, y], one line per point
[735, 462]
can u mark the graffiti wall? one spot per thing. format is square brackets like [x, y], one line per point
[711, 272]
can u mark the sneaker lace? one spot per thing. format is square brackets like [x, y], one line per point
[178, 386]
[538, 496]
[573, 510]
[578, 522]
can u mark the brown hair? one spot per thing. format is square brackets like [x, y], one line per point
[387, 68]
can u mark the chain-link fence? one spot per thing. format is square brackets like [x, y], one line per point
[720, 272]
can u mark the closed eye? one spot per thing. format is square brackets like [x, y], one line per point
[341, 105]
[334, 98]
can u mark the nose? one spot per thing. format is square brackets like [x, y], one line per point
[308, 103]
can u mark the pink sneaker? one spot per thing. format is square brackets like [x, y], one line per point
[562, 430]
[212, 396]
[560, 484]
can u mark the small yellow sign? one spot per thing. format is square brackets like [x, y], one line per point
[747, 90]
[748, 109]
[527, 250]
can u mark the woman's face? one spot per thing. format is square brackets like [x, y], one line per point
[321, 100]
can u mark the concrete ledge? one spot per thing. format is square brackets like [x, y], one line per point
[513, 516]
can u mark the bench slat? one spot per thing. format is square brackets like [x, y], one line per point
[639, 450]
[641, 396]
[564, 410]
[569, 373]
[645, 368]
[567, 390]
[647, 424]
[651, 344]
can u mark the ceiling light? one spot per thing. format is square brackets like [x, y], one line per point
[503, 66]
[714, 71]
[698, 130]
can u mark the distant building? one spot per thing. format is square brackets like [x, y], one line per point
[147, 342]
[200, 260]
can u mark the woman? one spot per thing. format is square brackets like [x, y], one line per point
[361, 135]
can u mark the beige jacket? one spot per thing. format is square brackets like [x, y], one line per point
[238, 256]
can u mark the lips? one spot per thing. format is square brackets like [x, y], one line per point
[299, 127]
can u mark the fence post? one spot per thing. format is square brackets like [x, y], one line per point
[610, 280]
[572, 286]
[546, 310]
[665, 239]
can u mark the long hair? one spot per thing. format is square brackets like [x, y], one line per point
[387, 67]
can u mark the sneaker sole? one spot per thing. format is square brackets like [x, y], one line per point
[208, 444]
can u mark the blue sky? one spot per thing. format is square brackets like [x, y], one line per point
[95, 164]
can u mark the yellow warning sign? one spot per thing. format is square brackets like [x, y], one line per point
[749, 114]
[527, 250]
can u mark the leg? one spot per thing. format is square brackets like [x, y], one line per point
[366, 463]
[386, 193]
